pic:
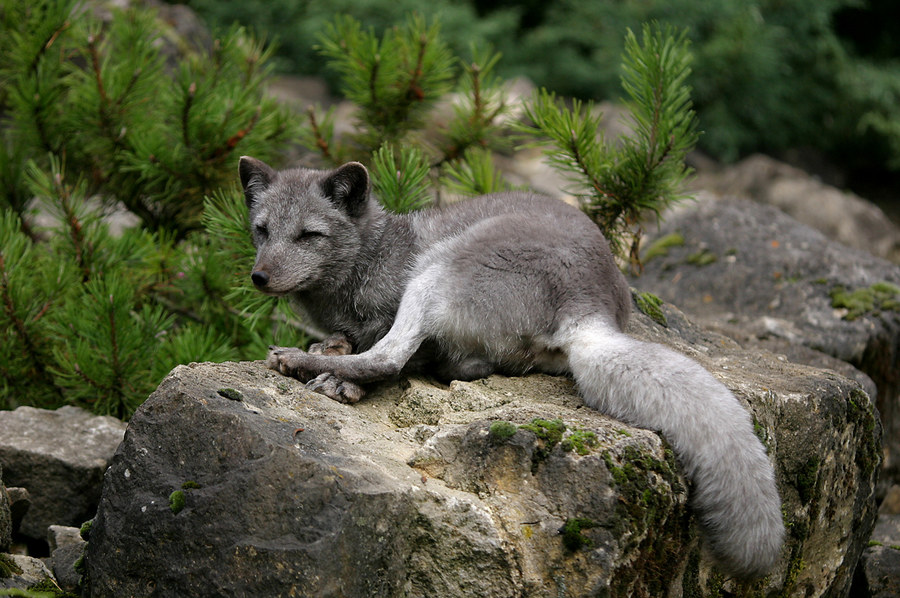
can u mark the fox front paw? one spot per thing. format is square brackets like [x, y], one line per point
[336, 344]
[292, 362]
[334, 388]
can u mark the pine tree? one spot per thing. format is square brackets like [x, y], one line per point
[645, 171]
[95, 116]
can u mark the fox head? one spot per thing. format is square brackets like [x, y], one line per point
[305, 224]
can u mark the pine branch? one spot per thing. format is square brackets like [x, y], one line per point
[616, 185]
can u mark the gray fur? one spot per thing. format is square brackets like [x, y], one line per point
[508, 283]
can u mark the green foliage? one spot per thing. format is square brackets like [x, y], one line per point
[394, 81]
[768, 75]
[644, 171]
[94, 116]
[400, 178]
[155, 138]
[474, 174]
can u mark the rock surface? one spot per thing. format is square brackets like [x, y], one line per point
[26, 571]
[760, 276]
[234, 480]
[839, 215]
[66, 548]
[59, 457]
[880, 566]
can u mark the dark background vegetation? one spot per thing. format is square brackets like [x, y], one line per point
[814, 82]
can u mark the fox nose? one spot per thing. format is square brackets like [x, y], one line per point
[260, 278]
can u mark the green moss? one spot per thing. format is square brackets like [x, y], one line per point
[78, 565]
[580, 441]
[881, 296]
[176, 501]
[642, 501]
[190, 485]
[651, 305]
[230, 393]
[572, 537]
[762, 433]
[501, 430]
[874, 543]
[548, 430]
[85, 531]
[8, 566]
[48, 587]
[704, 257]
[661, 246]
[649, 524]
[549, 433]
[806, 480]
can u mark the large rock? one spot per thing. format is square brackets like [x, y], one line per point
[839, 215]
[879, 572]
[759, 275]
[233, 480]
[59, 457]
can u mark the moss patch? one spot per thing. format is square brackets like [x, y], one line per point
[85, 531]
[872, 300]
[8, 566]
[572, 537]
[549, 433]
[649, 524]
[651, 305]
[580, 441]
[501, 430]
[660, 247]
[807, 480]
[48, 587]
[176, 501]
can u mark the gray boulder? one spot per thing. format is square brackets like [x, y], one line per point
[233, 480]
[839, 215]
[59, 457]
[880, 566]
[66, 549]
[760, 276]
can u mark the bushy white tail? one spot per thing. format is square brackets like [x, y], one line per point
[653, 387]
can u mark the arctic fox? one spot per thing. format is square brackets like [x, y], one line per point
[509, 283]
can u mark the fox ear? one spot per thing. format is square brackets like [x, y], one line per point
[348, 187]
[256, 176]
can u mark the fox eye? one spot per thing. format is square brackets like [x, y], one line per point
[262, 230]
[306, 235]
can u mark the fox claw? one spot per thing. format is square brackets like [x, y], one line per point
[335, 388]
[290, 361]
